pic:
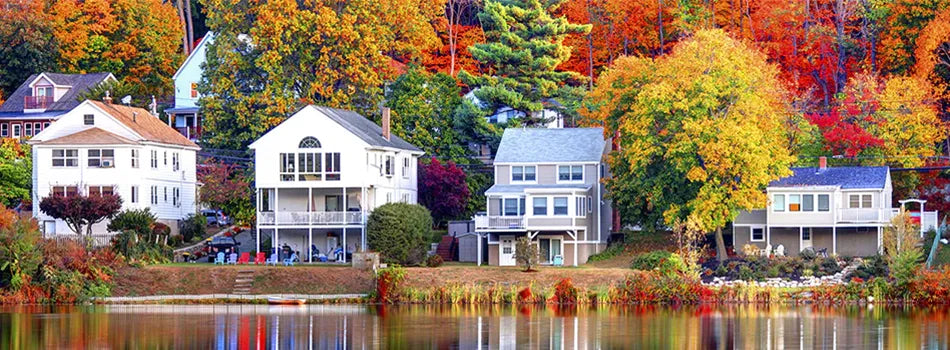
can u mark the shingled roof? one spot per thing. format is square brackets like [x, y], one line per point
[534, 145]
[145, 124]
[365, 129]
[855, 177]
[79, 83]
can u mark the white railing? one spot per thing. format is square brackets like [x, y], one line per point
[310, 218]
[499, 222]
[862, 215]
[928, 221]
[98, 240]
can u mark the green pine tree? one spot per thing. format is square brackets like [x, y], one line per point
[524, 46]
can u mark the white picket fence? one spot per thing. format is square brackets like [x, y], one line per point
[98, 240]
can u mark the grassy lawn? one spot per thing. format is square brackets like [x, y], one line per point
[620, 254]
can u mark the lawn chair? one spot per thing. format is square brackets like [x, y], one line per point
[291, 260]
[272, 260]
[767, 251]
[780, 250]
[219, 258]
[260, 258]
[232, 259]
[558, 260]
[244, 259]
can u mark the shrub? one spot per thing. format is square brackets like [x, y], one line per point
[160, 229]
[745, 273]
[434, 261]
[399, 232]
[137, 220]
[139, 250]
[750, 250]
[650, 260]
[808, 254]
[526, 253]
[871, 267]
[673, 265]
[388, 283]
[193, 226]
[20, 256]
[564, 292]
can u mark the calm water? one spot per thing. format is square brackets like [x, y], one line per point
[467, 327]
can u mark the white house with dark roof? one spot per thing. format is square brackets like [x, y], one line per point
[99, 148]
[547, 187]
[42, 99]
[836, 210]
[321, 172]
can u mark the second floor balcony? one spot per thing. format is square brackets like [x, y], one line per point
[314, 218]
[37, 102]
[518, 223]
[866, 215]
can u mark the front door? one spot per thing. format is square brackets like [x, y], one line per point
[806, 238]
[506, 251]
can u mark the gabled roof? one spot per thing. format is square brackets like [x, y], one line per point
[852, 177]
[79, 83]
[365, 129]
[200, 46]
[537, 145]
[145, 124]
[91, 136]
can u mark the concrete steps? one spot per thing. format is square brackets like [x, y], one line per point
[243, 282]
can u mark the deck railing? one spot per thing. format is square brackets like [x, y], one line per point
[37, 102]
[499, 222]
[310, 218]
[866, 215]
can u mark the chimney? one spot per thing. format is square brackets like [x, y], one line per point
[386, 122]
[822, 163]
[107, 99]
[134, 115]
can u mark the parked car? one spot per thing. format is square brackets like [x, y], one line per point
[215, 217]
[226, 244]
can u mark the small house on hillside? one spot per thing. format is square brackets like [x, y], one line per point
[42, 99]
[103, 148]
[836, 210]
[321, 172]
[184, 117]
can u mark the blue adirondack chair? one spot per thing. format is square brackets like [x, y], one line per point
[272, 260]
[219, 258]
[291, 260]
[232, 259]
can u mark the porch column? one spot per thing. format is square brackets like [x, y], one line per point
[344, 244]
[478, 248]
[880, 248]
[801, 234]
[258, 224]
[768, 235]
[575, 248]
[834, 240]
[276, 207]
[258, 237]
[310, 244]
[276, 245]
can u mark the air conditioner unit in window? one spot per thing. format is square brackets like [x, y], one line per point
[106, 163]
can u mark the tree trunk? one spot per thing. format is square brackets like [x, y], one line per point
[184, 27]
[590, 49]
[659, 23]
[721, 254]
[190, 26]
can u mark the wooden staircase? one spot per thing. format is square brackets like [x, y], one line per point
[448, 248]
[243, 282]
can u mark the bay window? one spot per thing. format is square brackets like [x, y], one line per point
[540, 206]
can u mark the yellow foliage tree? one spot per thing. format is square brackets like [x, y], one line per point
[701, 132]
[907, 121]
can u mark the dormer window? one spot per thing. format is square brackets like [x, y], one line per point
[44, 91]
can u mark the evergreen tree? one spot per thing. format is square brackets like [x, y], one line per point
[523, 48]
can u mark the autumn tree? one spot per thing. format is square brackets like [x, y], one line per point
[16, 172]
[137, 40]
[81, 211]
[523, 48]
[225, 187]
[699, 132]
[270, 58]
[442, 189]
[423, 112]
[27, 44]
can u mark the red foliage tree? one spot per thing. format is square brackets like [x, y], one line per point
[81, 211]
[225, 187]
[442, 189]
[842, 135]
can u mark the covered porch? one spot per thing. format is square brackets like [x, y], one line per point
[312, 245]
[303, 207]
[840, 240]
[186, 120]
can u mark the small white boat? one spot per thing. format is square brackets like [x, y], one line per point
[285, 301]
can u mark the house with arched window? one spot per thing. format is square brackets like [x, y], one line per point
[318, 176]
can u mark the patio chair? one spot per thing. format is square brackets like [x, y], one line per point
[260, 258]
[244, 259]
[780, 250]
[767, 251]
[219, 258]
[558, 260]
[232, 259]
[291, 260]
[272, 260]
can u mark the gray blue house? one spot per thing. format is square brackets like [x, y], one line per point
[547, 187]
[42, 99]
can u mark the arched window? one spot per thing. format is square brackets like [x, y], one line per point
[309, 142]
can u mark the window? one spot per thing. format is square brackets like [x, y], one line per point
[65, 158]
[100, 191]
[102, 158]
[560, 205]
[794, 202]
[511, 207]
[405, 167]
[570, 173]
[4, 130]
[45, 125]
[778, 202]
[309, 142]
[135, 194]
[580, 206]
[28, 129]
[286, 167]
[589, 207]
[405, 198]
[46, 91]
[333, 166]
[540, 206]
[860, 201]
[808, 202]
[806, 234]
[175, 164]
[16, 130]
[154, 159]
[165, 190]
[165, 155]
[758, 234]
[309, 166]
[523, 173]
[88, 119]
[36, 128]
[389, 198]
[333, 203]
[135, 158]
[388, 166]
[824, 202]
[154, 194]
[64, 190]
[194, 90]
[176, 197]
